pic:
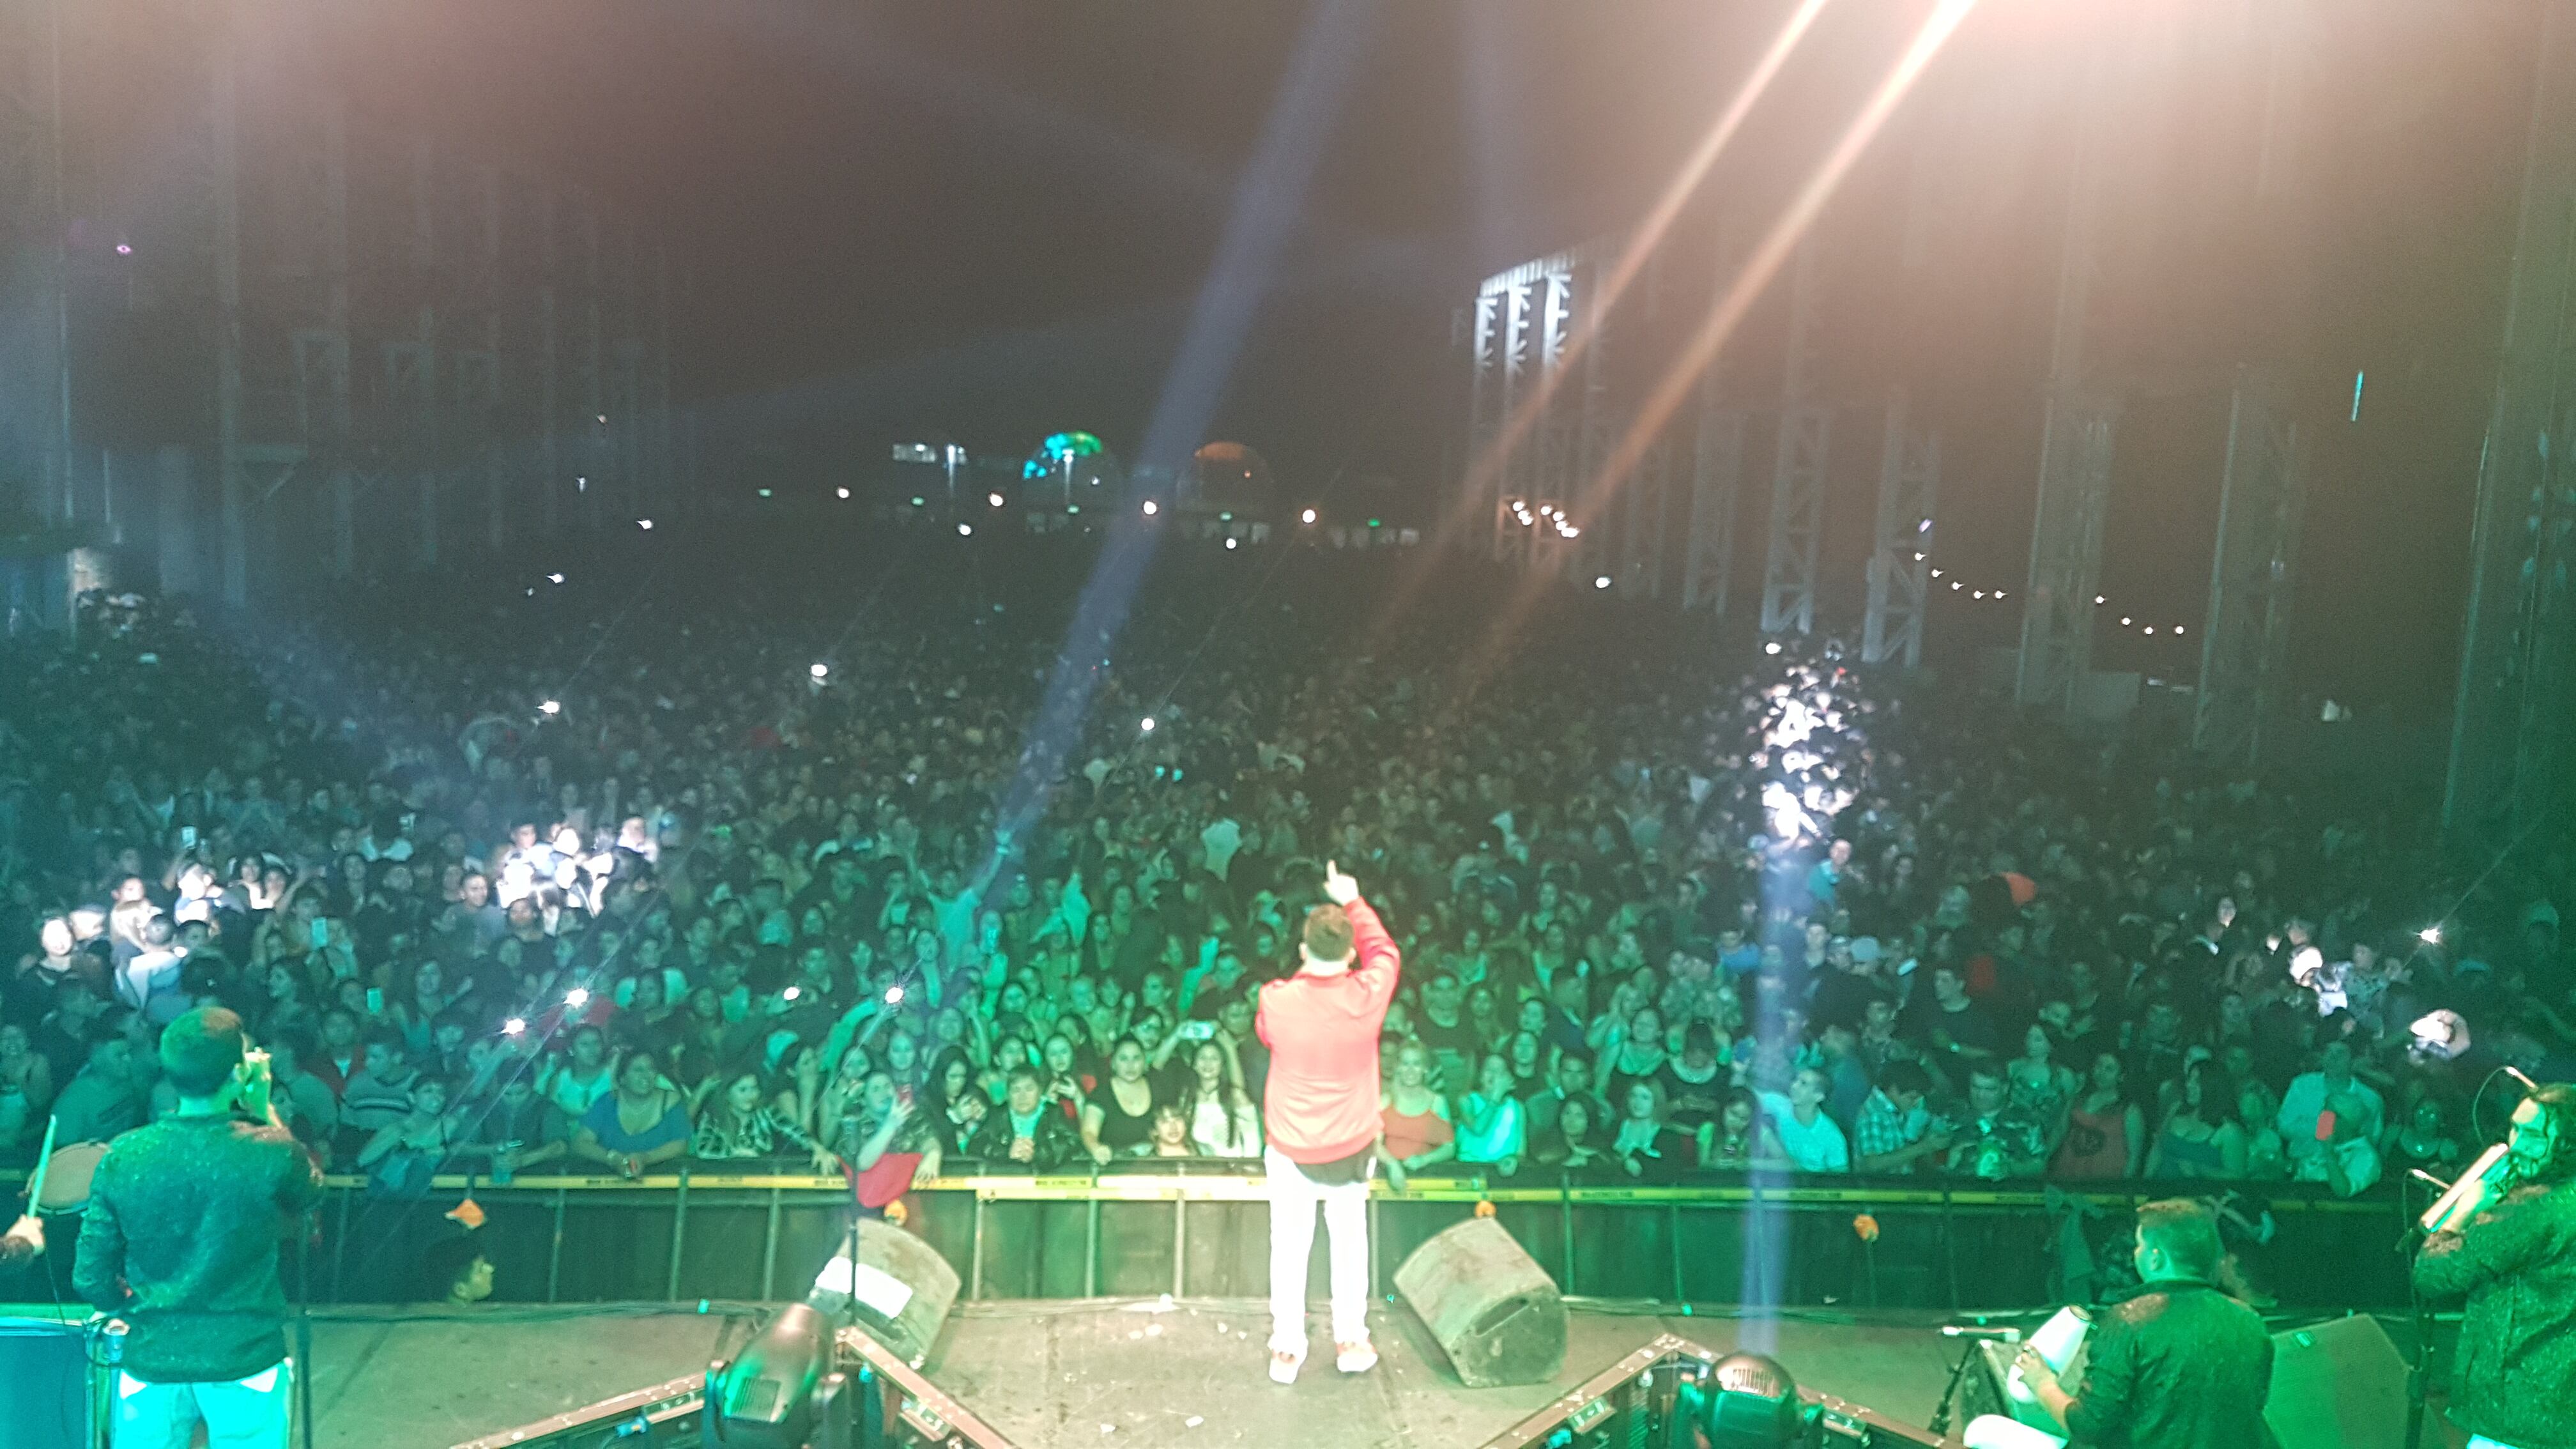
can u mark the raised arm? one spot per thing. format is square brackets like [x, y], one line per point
[1375, 962]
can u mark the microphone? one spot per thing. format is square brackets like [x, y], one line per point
[1998, 1335]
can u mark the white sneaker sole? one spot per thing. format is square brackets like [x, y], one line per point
[1284, 1371]
[1356, 1363]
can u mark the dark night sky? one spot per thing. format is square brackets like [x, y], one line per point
[991, 219]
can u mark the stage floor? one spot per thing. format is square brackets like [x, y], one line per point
[1194, 1373]
[1048, 1375]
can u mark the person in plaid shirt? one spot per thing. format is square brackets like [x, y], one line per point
[1893, 1132]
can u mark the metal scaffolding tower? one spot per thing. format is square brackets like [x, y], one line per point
[1717, 475]
[2074, 451]
[1909, 477]
[224, 141]
[35, 372]
[2246, 636]
[2513, 742]
[1798, 467]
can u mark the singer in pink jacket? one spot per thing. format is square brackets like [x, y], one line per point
[1321, 1111]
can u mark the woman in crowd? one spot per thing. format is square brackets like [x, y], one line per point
[2106, 1133]
[2201, 1139]
[639, 1125]
[1118, 1120]
[1740, 1136]
[1417, 1132]
[2039, 1085]
[738, 1124]
[405, 1154]
[1492, 1128]
[1577, 1147]
[587, 1074]
[1224, 1121]
[1649, 1150]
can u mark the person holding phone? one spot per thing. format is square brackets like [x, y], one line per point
[1320, 1112]
[181, 1241]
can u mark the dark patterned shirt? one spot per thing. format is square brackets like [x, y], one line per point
[181, 1241]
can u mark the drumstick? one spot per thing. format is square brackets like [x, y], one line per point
[44, 1159]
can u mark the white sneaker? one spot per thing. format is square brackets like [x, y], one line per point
[1284, 1366]
[1354, 1358]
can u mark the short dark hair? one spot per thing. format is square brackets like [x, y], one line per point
[1905, 1077]
[444, 1264]
[2186, 1231]
[1328, 933]
[201, 1049]
[1029, 1073]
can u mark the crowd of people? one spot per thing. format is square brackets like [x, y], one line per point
[883, 872]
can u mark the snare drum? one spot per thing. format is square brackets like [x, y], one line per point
[67, 1177]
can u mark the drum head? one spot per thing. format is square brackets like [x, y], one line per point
[67, 1177]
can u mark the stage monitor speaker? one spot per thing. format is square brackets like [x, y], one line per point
[1490, 1306]
[2339, 1384]
[45, 1385]
[901, 1291]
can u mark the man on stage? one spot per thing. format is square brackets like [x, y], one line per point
[2515, 1261]
[181, 1242]
[2179, 1366]
[1321, 1109]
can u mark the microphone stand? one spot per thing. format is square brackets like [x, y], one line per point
[1940, 1425]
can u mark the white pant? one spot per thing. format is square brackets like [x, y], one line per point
[249, 1413]
[1292, 1240]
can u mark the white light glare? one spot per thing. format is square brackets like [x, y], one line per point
[1771, 648]
[2124, 621]
[841, 492]
[2097, 598]
[993, 498]
[1232, 543]
[1936, 573]
[577, 998]
[894, 995]
[820, 670]
[514, 1026]
[965, 530]
[1151, 508]
[645, 524]
[791, 993]
[2430, 935]
[1307, 517]
[1146, 724]
[554, 578]
[1602, 582]
[552, 706]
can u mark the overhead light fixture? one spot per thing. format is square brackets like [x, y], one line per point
[1307, 517]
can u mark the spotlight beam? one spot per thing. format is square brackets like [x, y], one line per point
[1488, 465]
[1593, 497]
[1767, 259]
